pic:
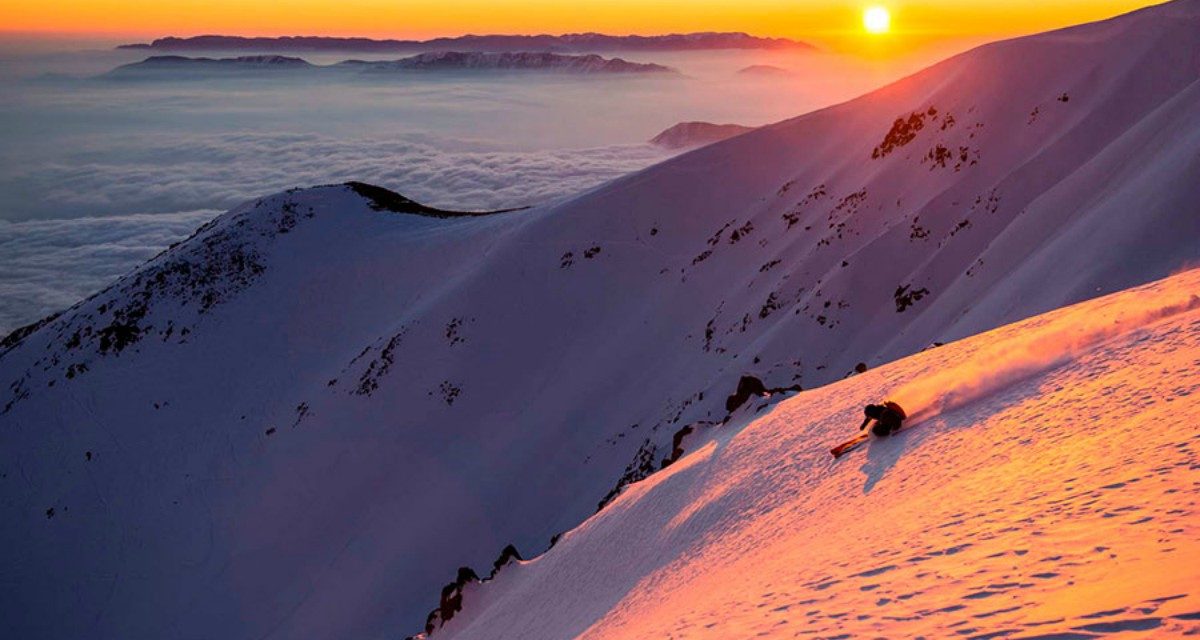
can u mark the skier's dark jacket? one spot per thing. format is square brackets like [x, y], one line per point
[887, 416]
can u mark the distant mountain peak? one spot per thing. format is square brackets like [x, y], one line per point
[765, 70]
[694, 134]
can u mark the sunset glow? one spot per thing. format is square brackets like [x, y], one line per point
[832, 24]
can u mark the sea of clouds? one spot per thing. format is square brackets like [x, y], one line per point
[98, 175]
[50, 263]
[182, 172]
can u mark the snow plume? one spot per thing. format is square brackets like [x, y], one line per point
[998, 366]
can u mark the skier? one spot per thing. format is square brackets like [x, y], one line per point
[888, 418]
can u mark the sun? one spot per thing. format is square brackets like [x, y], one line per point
[876, 19]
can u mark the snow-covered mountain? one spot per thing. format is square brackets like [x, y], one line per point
[1043, 490]
[300, 422]
[694, 134]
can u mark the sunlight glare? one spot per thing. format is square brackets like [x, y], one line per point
[876, 19]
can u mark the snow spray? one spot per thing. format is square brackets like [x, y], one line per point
[999, 366]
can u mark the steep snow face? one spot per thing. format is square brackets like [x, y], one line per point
[1045, 488]
[301, 421]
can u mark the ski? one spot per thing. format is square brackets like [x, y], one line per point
[841, 449]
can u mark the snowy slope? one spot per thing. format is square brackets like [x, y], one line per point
[302, 420]
[1047, 488]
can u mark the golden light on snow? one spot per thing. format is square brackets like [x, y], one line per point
[876, 19]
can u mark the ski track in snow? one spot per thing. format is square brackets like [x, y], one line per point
[1061, 506]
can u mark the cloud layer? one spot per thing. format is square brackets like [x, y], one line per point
[167, 173]
[47, 265]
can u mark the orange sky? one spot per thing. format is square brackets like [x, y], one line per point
[828, 22]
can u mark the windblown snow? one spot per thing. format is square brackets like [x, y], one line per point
[304, 419]
[1054, 497]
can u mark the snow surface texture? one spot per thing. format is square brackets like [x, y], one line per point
[301, 421]
[1060, 501]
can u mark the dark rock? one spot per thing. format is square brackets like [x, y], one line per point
[747, 386]
[905, 297]
[507, 555]
[641, 466]
[381, 199]
[677, 445]
[903, 131]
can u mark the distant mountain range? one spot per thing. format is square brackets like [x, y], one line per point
[567, 43]
[183, 67]
[448, 60]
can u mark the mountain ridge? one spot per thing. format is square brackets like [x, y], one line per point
[571, 42]
[431, 61]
